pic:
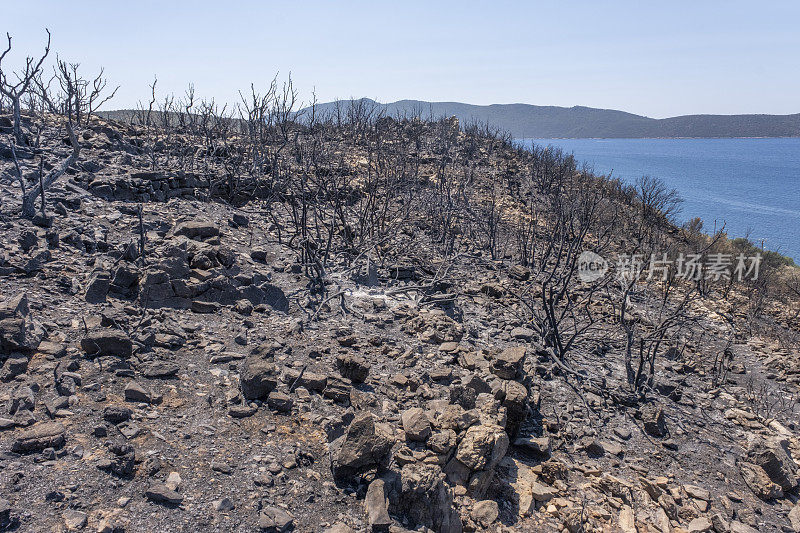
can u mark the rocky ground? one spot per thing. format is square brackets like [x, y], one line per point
[190, 388]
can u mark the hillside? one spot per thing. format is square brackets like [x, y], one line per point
[372, 325]
[547, 122]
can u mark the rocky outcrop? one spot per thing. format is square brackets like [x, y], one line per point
[364, 447]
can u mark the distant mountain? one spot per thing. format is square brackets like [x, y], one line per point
[546, 122]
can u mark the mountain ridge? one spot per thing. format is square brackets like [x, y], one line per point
[534, 121]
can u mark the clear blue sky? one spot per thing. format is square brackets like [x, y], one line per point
[653, 58]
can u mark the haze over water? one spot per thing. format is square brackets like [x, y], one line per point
[748, 184]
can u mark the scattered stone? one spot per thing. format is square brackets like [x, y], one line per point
[280, 402]
[75, 520]
[353, 367]
[771, 456]
[223, 505]
[275, 520]
[485, 513]
[135, 392]
[98, 287]
[509, 362]
[197, 230]
[39, 437]
[653, 421]
[107, 342]
[425, 500]
[700, 525]
[539, 447]
[116, 414]
[258, 377]
[160, 493]
[759, 482]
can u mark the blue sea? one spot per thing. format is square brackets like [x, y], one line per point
[750, 185]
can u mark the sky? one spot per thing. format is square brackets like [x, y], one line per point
[652, 58]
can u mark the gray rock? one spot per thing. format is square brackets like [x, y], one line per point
[258, 377]
[280, 402]
[39, 437]
[135, 392]
[509, 362]
[14, 366]
[478, 453]
[197, 230]
[425, 500]
[108, 342]
[516, 404]
[74, 520]
[361, 447]
[275, 520]
[416, 424]
[353, 367]
[519, 273]
[339, 527]
[116, 414]
[653, 421]
[241, 411]
[538, 447]
[759, 482]
[223, 505]
[376, 504]
[160, 493]
[98, 287]
[205, 308]
[160, 369]
[338, 389]
[18, 333]
[772, 456]
[485, 513]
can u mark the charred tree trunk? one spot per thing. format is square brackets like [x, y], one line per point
[29, 199]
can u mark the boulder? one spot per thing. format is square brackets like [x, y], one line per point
[653, 421]
[257, 377]
[275, 520]
[478, 453]
[771, 455]
[363, 446]
[107, 342]
[425, 500]
[197, 230]
[39, 437]
[508, 364]
[353, 367]
[376, 505]
[416, 424]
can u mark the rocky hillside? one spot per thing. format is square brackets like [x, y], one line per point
[320, 331]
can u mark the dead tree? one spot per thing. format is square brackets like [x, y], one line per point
[14, 91]
[95, 98]
[29, 198]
